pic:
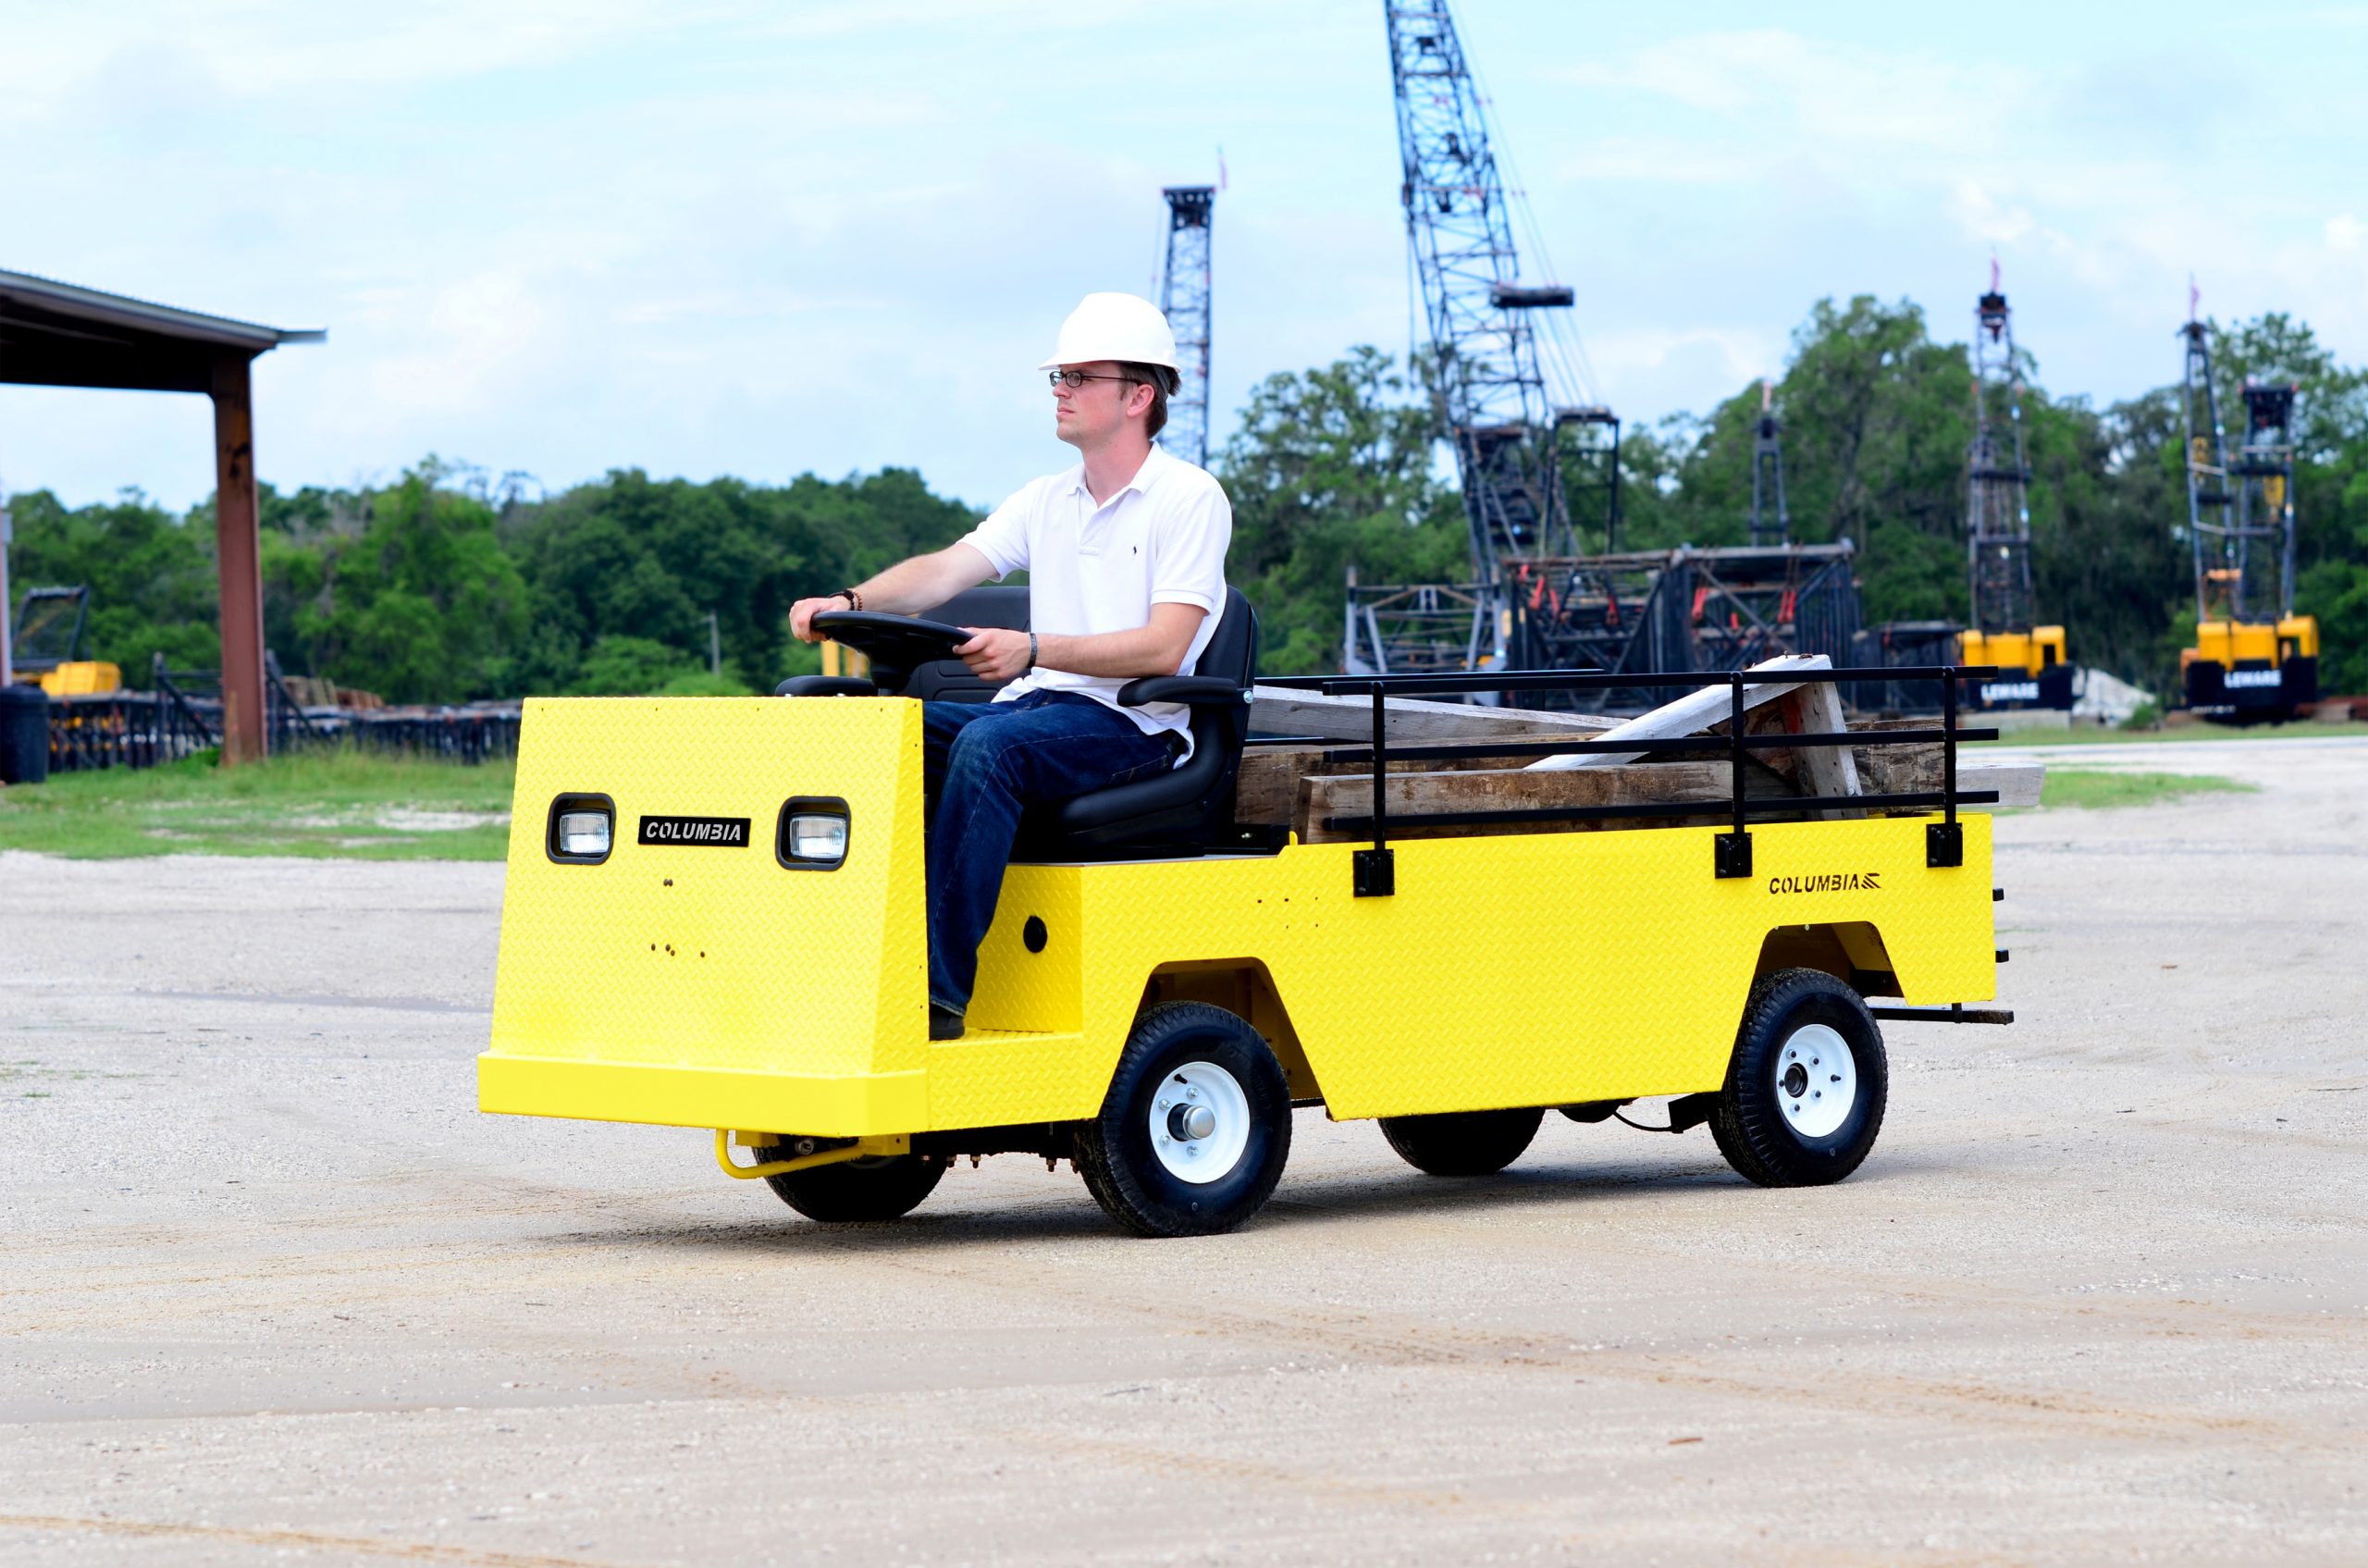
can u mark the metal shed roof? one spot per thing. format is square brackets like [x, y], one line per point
[55, 334]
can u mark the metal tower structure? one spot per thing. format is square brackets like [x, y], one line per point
[1768, 477]
[1998, 515]
[2218, 546]
[1184, 296]
[2253, 657]
[1488, 381]
[2264, 475]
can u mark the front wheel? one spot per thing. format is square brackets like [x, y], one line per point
[856, 1191]
[1806, 1086]
[1192, 1135]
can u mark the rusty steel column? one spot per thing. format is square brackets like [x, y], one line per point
[245, 735]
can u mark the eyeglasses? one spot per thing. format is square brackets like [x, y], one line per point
[1073, 379]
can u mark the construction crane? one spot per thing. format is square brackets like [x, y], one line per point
[1768, 475]
[2032, 671]
[2253, 657]
[1184, 295]
[1486, 351]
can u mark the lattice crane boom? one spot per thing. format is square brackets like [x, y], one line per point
[1771, 520]
[2241, 514]
[1184, 296]
[1490, 383]
[2264, 475]
[1998, 516]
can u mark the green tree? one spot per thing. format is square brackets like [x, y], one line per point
[629, 666]
[1877, 420]
[152, 578]
[647, 559]
[421, 605]
[1329, 469]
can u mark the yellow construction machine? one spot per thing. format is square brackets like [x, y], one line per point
[2254, 658]
[47, 636]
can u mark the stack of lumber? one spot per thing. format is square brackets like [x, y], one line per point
[1296, 786]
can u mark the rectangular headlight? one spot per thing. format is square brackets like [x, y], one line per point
[582, 830]
[815, 837]
[584, 833]
[813, 834]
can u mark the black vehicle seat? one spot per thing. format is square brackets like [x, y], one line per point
[1189, 808]
[949, 680]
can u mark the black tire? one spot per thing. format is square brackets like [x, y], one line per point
[856, 1191]
[1172, 1045]
[1461, 1142]
[1768, 1121]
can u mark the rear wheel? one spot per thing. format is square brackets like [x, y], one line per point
[1806, 1086]
[875, 1188]
[1192, 1135]
[1463, 1143]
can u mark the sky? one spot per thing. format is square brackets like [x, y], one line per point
[760, 240]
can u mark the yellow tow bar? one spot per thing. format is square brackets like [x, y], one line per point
[862, 1148]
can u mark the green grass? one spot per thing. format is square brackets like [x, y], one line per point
[326, 804]
[2097, 789]
[2091, 735]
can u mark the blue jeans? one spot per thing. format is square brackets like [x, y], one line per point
[983, 764]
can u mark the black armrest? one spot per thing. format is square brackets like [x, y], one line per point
[826, 685]
[1201, 691]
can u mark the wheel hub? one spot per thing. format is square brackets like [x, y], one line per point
[1188, 1123]
[1817, 1080]
[1199, 1122]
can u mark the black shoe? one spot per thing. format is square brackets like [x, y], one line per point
[944, 1023]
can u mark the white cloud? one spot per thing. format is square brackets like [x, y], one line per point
[763, 237]
[1846, 94]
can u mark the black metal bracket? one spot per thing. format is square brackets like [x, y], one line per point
[1731, 855]
[1689, 1111]
[1374, 873]
[1956, 1012]
[1943, 843]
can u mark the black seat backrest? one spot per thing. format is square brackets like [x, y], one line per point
[949, 680]
[1187, 808]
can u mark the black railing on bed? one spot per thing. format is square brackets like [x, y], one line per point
[1376, 868]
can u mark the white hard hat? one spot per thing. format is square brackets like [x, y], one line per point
[1120, 326]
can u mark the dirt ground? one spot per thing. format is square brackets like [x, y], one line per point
[271, 1290]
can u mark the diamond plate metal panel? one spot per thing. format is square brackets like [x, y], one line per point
[699, 955]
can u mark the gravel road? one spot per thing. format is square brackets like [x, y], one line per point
[272, 1292]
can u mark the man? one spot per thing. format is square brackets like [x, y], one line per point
[1125, 557]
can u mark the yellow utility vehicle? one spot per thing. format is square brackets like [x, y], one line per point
[714, 918]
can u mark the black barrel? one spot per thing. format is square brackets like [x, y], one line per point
[24, 734]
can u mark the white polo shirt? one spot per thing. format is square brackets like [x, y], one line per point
[1091, 569]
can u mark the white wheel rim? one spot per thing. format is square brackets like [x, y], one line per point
[1199, 1123]
[1817, 1080]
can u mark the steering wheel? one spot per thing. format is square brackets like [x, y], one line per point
[897, 644]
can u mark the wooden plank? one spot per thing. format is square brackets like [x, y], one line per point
[1887, 771]
[1815, 709]
[1912, 770]
[2015, 786]
[1276, 711]
[1411, 795]
[1267, 788]
[1689, 714]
